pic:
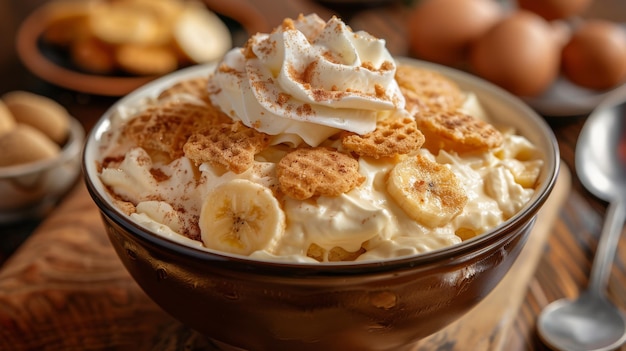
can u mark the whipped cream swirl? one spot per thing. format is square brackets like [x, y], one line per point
[307, 80]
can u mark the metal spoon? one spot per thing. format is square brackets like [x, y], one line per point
[592, 322]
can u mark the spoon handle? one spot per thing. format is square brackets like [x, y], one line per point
[609, 237]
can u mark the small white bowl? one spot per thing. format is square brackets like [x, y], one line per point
[30, 190]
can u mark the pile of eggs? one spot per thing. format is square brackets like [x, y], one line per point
[524, 48]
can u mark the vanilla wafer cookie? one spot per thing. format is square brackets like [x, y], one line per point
[163, 129]
[126, 207]
[336, 254]
[195, 87]
[307, 172]
[457, 131]
[426, 90]
[7, 121]
[231, 145]
[395, 135]
[145, 60]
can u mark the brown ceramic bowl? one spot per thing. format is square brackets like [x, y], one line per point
[387, 305]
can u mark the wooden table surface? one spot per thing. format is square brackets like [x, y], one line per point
[36, 257]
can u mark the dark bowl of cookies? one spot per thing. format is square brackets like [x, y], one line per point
[296, 198]
[113, 47]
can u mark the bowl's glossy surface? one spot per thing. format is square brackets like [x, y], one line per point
[28, 190]
[260, 305]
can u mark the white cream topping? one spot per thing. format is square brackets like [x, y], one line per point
[134, 181]
[307, 81]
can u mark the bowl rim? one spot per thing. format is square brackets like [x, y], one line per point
[468, 248]
[72, 148]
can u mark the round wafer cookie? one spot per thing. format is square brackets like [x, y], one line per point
[308, 172]
[457, 131]
[231, 145]
[425, 90]
[393, 136]
[146, 60]
[163, 129]
[195, 87]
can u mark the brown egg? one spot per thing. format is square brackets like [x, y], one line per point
[595, 56]
[520, 53]
[442, 30]
[554, 9]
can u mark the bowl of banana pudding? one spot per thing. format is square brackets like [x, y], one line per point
[310, 191]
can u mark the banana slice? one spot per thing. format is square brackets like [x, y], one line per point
[427, 191]
[473, 107]
[241, 217]
[201, 35]
[525, 173]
